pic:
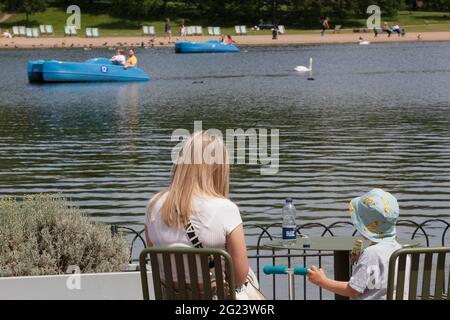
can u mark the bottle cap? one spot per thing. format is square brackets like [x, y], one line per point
[289, 200]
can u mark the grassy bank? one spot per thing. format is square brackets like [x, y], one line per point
[110, 26]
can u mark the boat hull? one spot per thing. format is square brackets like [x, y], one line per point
[94, 70]
[212, 46]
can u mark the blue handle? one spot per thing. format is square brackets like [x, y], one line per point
[300, 271]
[275, 269]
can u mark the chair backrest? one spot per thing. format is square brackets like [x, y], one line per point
[22, 30]
[145, 30]
[35, 32]
[73, 30]
[49, 29]
[198, 30]
[210, 31]
[15, 30]
[243, 30]
[190, 31]
[95, 32]
[171, 265]
[281, 29]
[67, 30]
[237, 29]
[216, 31]
[151, 30]
[42, 29]
[432, 278]
[88, 32]
[29, 32]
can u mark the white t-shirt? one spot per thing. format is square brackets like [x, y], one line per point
[371, 272]
[213, 220]
[119, 59]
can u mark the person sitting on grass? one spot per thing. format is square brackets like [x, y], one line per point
[119, 58]
[374, 216]
[387, 29]
[132, 60]
[7, 35]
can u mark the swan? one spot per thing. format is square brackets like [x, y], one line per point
[303, 68]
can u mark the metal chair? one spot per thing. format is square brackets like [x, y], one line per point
[397, 274]
[167, 262]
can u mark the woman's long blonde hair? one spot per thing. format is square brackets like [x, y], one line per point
[195, 173]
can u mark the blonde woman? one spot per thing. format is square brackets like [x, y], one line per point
[198, 193]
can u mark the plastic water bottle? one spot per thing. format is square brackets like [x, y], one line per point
[289, 225]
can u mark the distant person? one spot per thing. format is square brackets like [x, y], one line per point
[229, 40]
[119, 58]
[168, 30]
[387, 29]
[182, 29]
[396, 29]
[132, 60]
[6, 34]
[274, 33]
[325, 25]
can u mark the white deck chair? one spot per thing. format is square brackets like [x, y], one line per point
[42, 29]
[237, 29]
[198, 30]
[67, 31]
[48, 29]
[73, 31]
[145, 30]
[243, 30]
[89, 33]
[15, 30]
[189, 31]
[29, 32]
[95, 33]
[210, 31]
[281, 29]
[151, 31]
[35, 32]
[216, 31]
[22, 31]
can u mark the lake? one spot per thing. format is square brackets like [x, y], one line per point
[375, 116]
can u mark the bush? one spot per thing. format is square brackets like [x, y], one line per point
[43, 235]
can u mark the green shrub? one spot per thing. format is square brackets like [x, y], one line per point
[43, 235]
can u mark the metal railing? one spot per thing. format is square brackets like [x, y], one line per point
[260, 255]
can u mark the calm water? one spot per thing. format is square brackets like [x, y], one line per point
[375, 116]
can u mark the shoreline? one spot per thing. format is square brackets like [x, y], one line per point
[249, 40]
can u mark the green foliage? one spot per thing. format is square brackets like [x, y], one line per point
[135, 9]
[43, 235]
[26, 6]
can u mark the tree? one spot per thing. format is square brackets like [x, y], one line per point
[25, 6]
[135, 9]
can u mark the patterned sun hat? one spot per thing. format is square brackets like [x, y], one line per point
[374, 215]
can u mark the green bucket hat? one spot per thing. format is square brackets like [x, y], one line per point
[374, 215]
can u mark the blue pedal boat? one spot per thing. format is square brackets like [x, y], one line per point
[210, 46]
[92, 70]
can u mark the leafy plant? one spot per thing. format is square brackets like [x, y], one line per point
[44, 235]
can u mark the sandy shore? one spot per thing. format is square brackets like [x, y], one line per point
[76, 42]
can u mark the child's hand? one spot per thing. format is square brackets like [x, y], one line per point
[316, 276]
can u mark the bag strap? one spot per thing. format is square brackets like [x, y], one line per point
[193, 238]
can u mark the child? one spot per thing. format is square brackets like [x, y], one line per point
[374, 216]
[119, 58]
